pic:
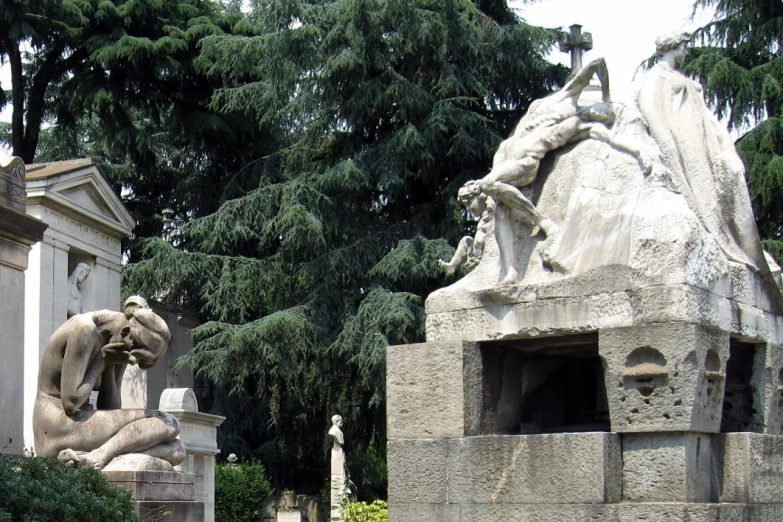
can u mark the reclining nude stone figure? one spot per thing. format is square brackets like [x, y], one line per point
[89, 352]
[549, 124]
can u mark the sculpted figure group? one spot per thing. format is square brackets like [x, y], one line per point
[89, 352]
[705, 170]
[550, 123]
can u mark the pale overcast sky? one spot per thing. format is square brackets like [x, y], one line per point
[624, 31]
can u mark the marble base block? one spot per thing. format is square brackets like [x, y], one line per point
[158, 492]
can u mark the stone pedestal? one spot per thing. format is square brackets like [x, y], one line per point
[450, 462]
[337, 484]
[655, 403]
[198, 431]
[18, 233]
[158, 492]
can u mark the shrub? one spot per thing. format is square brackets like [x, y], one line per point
[240, 491]
[376, 511]
[44, 489]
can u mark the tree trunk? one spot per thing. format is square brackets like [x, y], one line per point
[17, 99]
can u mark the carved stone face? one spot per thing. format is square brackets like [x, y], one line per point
[602, 113]
[680, 52]
[82, 275]
[472, 198]
[477, 205]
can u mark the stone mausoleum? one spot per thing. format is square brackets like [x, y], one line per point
[86, 224]
[633, 368]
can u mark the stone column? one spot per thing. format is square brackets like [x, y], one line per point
[104, 289]
[45, 310]
[114, 297]
[337, 476]
[61, 289]
[18, 233]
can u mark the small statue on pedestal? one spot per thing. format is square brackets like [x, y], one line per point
[339, 476]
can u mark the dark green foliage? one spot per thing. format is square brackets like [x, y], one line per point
[46, 489]
[741, 68]
[381, 109]
[116, 81]
[241, 490]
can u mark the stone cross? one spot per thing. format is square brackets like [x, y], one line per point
[575, 43]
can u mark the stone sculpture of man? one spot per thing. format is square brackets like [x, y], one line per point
[75, 280]
[550, 124]
[90, 352]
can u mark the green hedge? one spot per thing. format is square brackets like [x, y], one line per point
[376, 511]
[241, 490]
[44, 489]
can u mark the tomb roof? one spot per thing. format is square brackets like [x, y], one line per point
[53, 168]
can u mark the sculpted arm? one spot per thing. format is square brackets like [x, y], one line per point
[582, 79]
[109, 396]
[598, 132]
[82, 365]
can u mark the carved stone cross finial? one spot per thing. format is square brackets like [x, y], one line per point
[575, 43]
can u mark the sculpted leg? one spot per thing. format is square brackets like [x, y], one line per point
[138, 436]
[460, 256]
[504, 234]
[172, 451]
[501, 184]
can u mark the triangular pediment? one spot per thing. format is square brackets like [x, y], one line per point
[81, 191]
[89, 197]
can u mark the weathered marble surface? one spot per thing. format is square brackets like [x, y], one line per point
[18, 235]
[90, 352]
[12, 174]
[629, 249]
[627, 239]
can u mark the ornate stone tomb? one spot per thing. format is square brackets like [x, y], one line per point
[624, 362]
